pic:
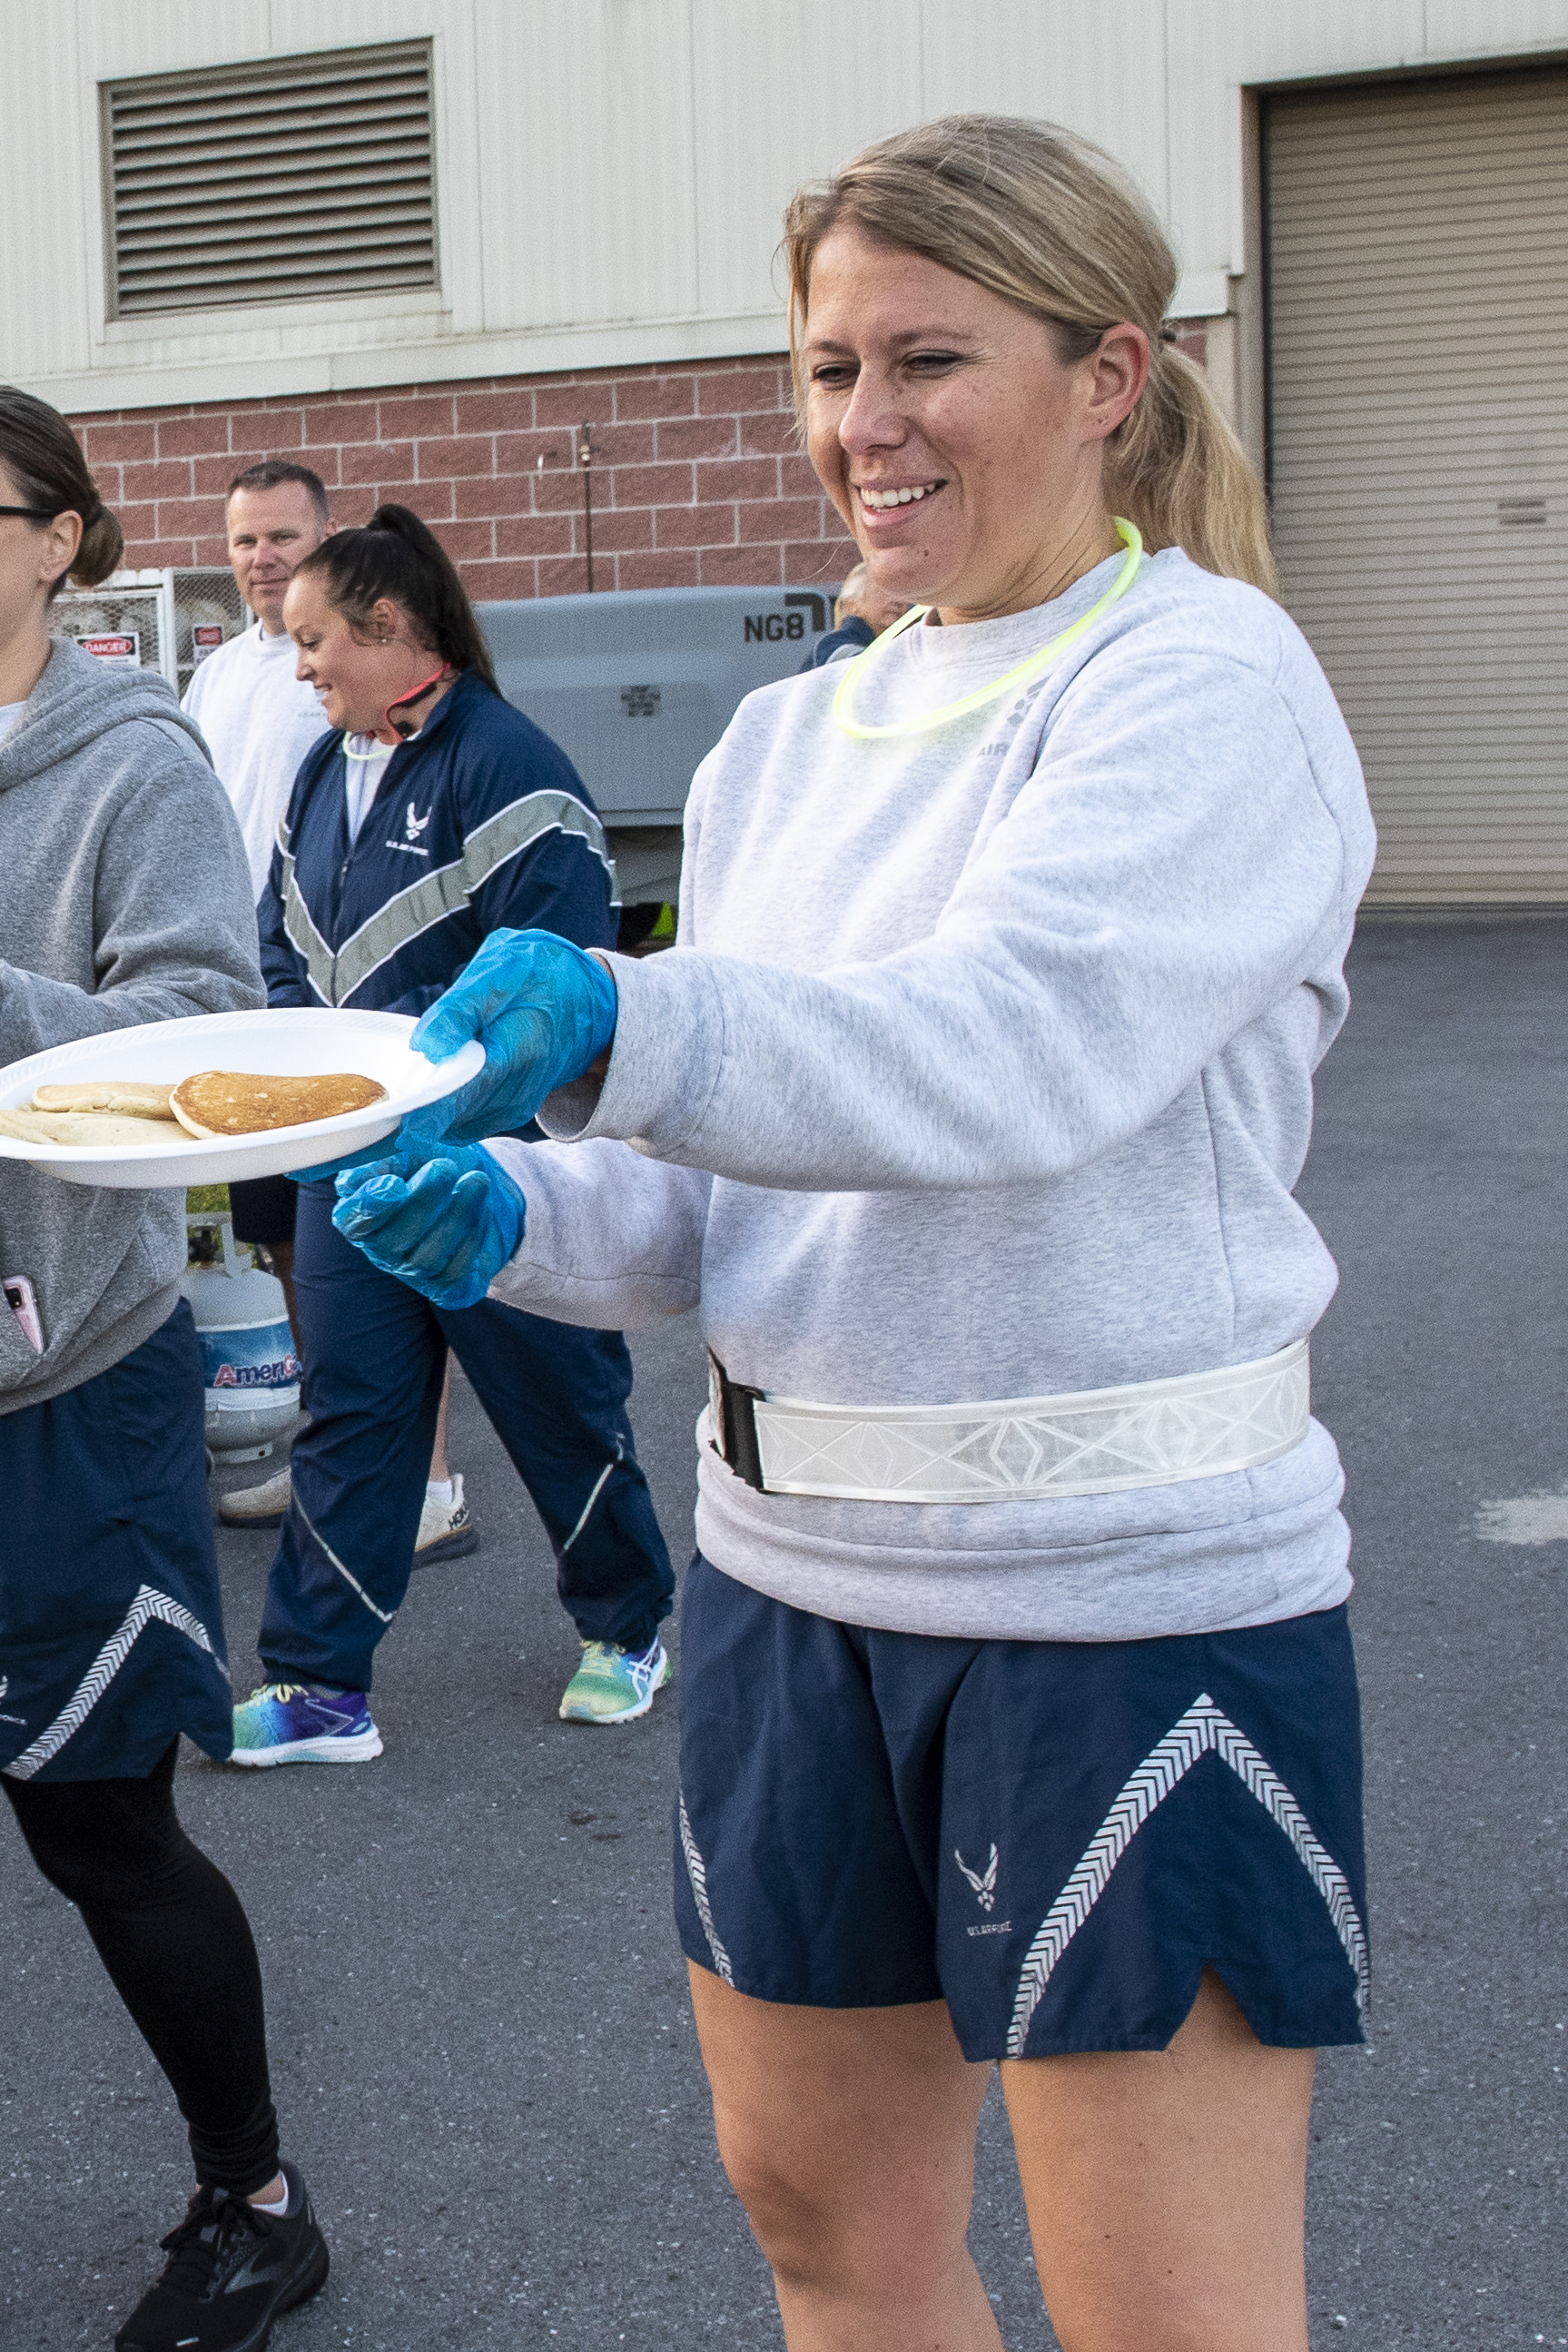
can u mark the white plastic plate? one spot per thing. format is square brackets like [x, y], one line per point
[291, 1042]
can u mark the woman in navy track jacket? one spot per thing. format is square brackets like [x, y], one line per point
[478, 824]
[432, 814]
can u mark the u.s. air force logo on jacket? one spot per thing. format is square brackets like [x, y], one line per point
[415, 825]
[504, 835]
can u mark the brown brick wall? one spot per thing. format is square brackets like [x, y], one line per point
[697, 478]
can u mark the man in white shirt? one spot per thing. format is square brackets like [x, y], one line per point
[258, 718]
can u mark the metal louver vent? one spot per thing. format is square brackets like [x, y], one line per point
[292, 180]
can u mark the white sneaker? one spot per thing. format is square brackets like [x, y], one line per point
[446, 1530]
[257, 1507]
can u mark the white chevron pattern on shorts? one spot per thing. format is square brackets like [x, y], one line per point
[1259, 1775]
[1202, 1728]
[696, 1871]
[148, 1604]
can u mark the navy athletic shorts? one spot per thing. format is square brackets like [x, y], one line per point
[263, 1210]
[1053, 1837]
[111, 1639]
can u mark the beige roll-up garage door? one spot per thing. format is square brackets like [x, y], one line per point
[1418, 429]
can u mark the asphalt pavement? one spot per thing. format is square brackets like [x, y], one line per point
[482, 2045]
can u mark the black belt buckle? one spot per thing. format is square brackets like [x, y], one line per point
[732, 1422]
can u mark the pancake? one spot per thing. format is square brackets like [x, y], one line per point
[239, 1102]
[88, 1126]
[125, 1098]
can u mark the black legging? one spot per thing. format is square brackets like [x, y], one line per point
[171, 1931]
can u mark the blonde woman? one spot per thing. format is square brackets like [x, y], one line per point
[1020, 1720]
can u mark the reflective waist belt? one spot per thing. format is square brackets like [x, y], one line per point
[1094, 1441]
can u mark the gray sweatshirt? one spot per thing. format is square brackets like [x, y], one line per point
[983, 1070]
[124, 897]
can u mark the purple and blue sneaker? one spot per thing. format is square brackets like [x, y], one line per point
[304, 1723]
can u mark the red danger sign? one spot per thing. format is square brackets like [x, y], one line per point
[206, 637]
[116, 646]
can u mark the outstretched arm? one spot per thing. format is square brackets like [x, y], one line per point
[598, 1236]
[1140, 905]
[614, 1241]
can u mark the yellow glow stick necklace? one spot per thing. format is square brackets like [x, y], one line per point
[1131, 537]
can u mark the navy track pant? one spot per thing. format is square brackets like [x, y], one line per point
[374, 1354]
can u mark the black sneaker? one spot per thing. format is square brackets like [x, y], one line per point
[231, 2272]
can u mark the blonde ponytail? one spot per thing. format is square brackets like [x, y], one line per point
[1177, 471]
[1048, 221]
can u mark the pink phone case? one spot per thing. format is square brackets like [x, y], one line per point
[22, 1300]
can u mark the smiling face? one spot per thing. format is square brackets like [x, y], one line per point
[356, 675]
[966, 456]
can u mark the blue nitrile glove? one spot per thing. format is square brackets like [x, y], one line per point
[444, 1218]
[544, 1013]
[368, 1155]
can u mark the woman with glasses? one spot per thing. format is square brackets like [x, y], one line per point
[126, 900]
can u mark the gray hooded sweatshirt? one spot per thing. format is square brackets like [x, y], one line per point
[124, 897]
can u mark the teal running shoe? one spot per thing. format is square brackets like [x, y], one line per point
[614, 1686]
[304, 1723]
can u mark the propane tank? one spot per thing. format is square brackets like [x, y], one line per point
[248, 1365]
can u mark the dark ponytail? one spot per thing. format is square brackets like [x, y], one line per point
[44, 459]
[397, 556]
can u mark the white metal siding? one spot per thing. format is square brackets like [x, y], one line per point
[1419, 293]
[584, 118]
[611, 171]
[302, 177]
[48, 203]
[864, 83]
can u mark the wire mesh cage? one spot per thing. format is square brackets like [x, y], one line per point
[127, 620]
[208, 611]
[169, 620]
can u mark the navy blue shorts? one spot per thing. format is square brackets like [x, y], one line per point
[1053, 1837]
[263, 1211]
[111, 1639]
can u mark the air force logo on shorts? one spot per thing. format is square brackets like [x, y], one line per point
[984, 1886]
[1145, 1810]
